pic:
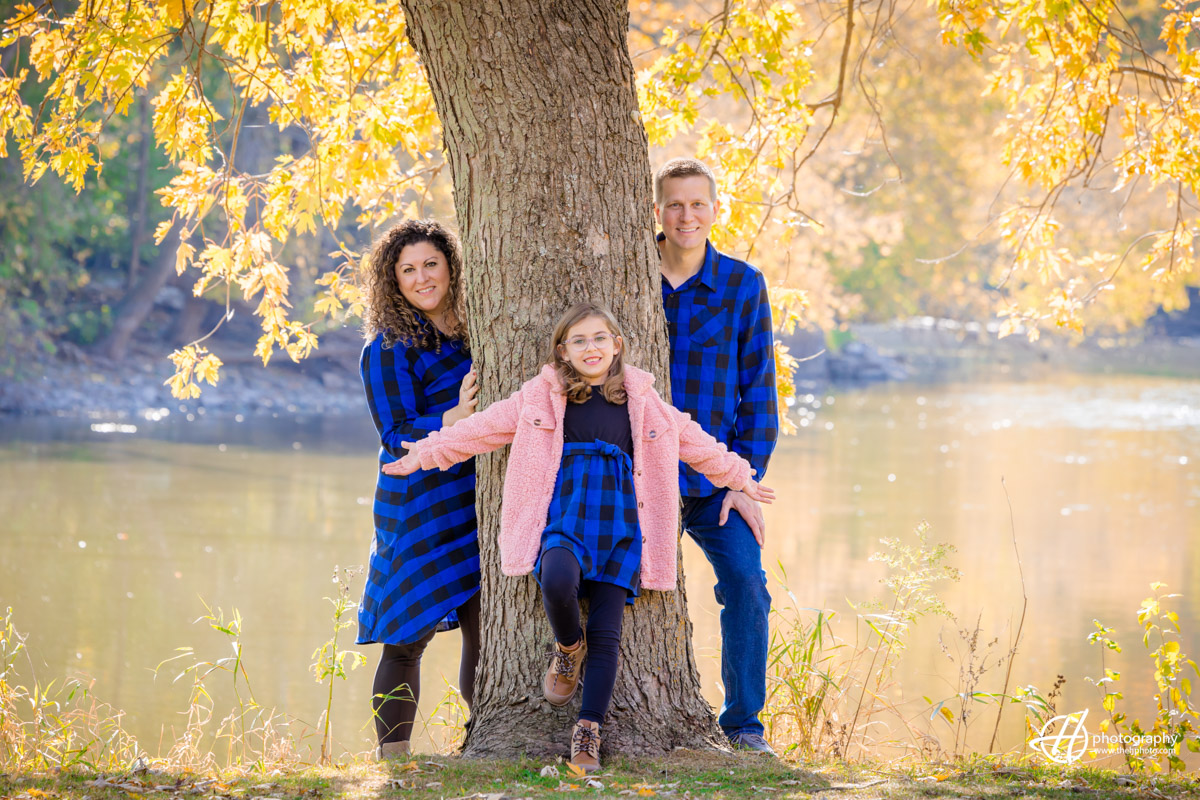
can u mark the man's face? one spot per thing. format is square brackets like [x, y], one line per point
[687, 211]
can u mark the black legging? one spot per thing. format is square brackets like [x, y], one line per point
[560, 579]
[397, 686]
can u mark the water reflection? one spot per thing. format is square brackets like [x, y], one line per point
[114, 540]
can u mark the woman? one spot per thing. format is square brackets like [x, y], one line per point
[424, 570]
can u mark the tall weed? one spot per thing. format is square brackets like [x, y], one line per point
[54, 725]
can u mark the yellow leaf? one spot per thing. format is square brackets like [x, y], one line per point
[207, 370]
[576, 770]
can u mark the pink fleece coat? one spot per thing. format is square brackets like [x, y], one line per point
[532, 421]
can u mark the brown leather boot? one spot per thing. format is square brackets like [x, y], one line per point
[562, 676]
[585, 745]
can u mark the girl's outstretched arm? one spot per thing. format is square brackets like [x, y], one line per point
[712, 459]
[481, 432]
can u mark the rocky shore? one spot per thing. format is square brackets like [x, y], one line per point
[77, 384]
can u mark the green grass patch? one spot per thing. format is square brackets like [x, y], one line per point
[684, 774]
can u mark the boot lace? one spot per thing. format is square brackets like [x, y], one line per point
[564, 665]
[587, 741]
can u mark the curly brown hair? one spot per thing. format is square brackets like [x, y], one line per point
[387, 312]
[573, 384]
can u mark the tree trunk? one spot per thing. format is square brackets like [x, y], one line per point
[197, 317]
[552, 193]
[137, 204]
[137, 303]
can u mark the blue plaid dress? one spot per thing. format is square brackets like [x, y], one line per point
[425, 554]
[593, 513]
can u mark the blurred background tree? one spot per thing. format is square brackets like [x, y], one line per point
[959, 158]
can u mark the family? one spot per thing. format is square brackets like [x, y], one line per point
[601, 468]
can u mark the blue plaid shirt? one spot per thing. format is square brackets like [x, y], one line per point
[723, 361]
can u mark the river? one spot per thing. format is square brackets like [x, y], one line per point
[117, 535]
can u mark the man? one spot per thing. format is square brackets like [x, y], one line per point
[723, 374]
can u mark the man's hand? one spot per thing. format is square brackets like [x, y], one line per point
[749, 511]
[407, 465]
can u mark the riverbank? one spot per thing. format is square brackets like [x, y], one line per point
[684, 774]
[928, 350]
[78, 384]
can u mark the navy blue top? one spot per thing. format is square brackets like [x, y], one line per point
[597, 419]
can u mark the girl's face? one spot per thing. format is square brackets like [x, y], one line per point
[590, 348]
[424, 277]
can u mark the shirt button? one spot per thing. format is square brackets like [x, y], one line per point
[537, 422]
[653, 434]
[643, 540]
[640, 505]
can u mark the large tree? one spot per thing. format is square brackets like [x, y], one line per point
[552, 193]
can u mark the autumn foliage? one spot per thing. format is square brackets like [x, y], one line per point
[1089, 184]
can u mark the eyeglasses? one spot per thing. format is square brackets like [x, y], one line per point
[580, 343]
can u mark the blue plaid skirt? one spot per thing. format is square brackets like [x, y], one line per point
[593, 513]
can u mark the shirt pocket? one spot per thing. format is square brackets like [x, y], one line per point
[712, 326]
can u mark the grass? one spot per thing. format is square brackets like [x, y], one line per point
[58, 743]
[685, 774]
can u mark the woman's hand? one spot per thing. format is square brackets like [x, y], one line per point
[407, 465]
[466, 401]
[754, 490]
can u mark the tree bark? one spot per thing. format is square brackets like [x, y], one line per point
[137, 204]
[136, 304]
[552, 193]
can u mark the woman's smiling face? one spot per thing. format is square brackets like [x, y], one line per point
[424, 277]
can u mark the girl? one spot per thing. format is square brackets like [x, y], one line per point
[591, 496]
[424, 568]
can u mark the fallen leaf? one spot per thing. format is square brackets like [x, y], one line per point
[576, 770]
[433, 784]
[549, 771]
[592, 783]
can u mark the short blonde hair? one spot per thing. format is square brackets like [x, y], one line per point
[683, 168]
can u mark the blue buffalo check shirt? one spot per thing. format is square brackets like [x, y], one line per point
[723, 361]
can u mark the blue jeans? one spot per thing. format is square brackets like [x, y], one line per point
[745, 605]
